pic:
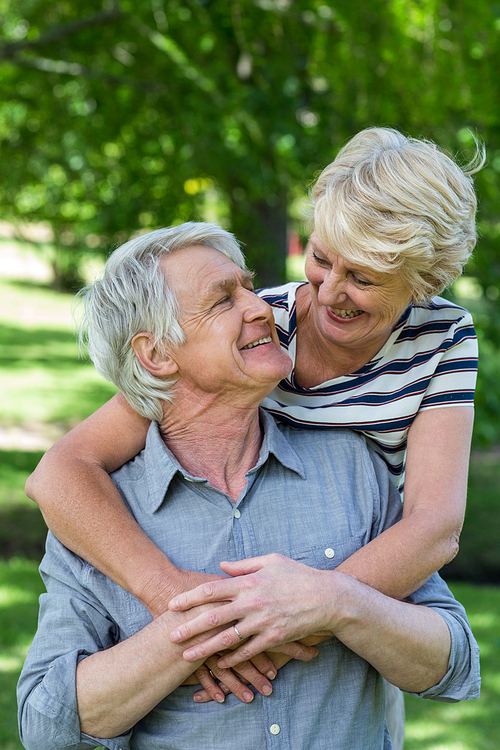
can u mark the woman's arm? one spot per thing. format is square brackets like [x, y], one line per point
[275, 599]
[83, 508]
[402, 558]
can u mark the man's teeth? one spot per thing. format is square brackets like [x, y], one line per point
[346, 313]
[266, 340]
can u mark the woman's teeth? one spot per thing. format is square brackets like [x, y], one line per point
[346, 313]
[265, 340]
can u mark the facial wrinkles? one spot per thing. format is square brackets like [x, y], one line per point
[211, 303]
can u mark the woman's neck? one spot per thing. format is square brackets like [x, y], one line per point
[318, 360]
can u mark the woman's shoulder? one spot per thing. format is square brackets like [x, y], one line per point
[439, 307]
[282, 295]
[434, 323]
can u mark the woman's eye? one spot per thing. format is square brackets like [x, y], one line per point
[320, 261]
[362, 282]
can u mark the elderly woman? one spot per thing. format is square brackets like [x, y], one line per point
[373, 349]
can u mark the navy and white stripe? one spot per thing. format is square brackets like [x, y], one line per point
[429, 361]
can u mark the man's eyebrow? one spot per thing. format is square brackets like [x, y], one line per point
[229, 282]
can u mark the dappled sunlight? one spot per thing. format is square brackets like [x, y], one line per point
[13, 662]
[10, 595]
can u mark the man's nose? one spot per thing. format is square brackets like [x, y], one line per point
[255, 307]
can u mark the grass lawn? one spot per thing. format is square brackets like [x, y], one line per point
[46, 389]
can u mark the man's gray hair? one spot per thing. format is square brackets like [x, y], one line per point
[132, 296]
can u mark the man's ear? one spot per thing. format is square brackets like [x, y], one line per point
[158, 364]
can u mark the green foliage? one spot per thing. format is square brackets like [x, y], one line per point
[123, 115]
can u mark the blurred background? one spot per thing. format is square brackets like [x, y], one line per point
[120, 117]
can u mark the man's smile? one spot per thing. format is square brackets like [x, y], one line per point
[266, 340]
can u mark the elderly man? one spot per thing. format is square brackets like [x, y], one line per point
[175, 324]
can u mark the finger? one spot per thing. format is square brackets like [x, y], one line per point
[214, 618]
[265, 665]
[248, 565]
[212, 591]
[258, 643]
[253, 676]
[201, 696]
[207, 680]
[234, 684]
[226, 639]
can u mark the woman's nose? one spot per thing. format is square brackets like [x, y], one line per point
[332, 289]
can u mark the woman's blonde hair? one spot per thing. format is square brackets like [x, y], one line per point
[399, 205]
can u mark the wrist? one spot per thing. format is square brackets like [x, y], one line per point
[343, 603]
[159, 586]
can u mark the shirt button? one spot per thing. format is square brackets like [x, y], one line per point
[329, 553]
[275, 729]
[237, 513]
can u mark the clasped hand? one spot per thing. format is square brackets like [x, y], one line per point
[273, 600]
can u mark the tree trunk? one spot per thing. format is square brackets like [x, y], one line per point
[262, 228]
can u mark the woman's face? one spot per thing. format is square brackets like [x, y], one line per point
[354, 306]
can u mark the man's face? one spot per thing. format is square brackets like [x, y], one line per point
[231, 342]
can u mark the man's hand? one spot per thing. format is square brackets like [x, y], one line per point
[211, 688]
[273, 600]
[257, 671]
[163, 585]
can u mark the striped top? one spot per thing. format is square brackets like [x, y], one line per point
[429, 361]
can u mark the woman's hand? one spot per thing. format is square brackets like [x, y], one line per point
[273, 601]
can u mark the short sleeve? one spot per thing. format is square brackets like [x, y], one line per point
[454, 380]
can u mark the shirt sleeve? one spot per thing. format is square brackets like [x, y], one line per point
[462, 681]
[46, 690]
[454, 379]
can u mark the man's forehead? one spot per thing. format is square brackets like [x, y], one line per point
[204, 267]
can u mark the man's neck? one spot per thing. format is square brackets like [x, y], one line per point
[213, 439]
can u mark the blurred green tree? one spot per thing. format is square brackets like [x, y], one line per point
[120, 115]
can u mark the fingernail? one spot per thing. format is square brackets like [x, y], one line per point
[267, 690]
[271, 675]
[197, 698]
[220, 697]
[175, 636]
[189, 655]
[247, 697]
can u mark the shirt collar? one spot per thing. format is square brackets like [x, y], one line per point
[161, 465]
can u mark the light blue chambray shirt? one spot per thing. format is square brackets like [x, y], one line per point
[314, 496]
